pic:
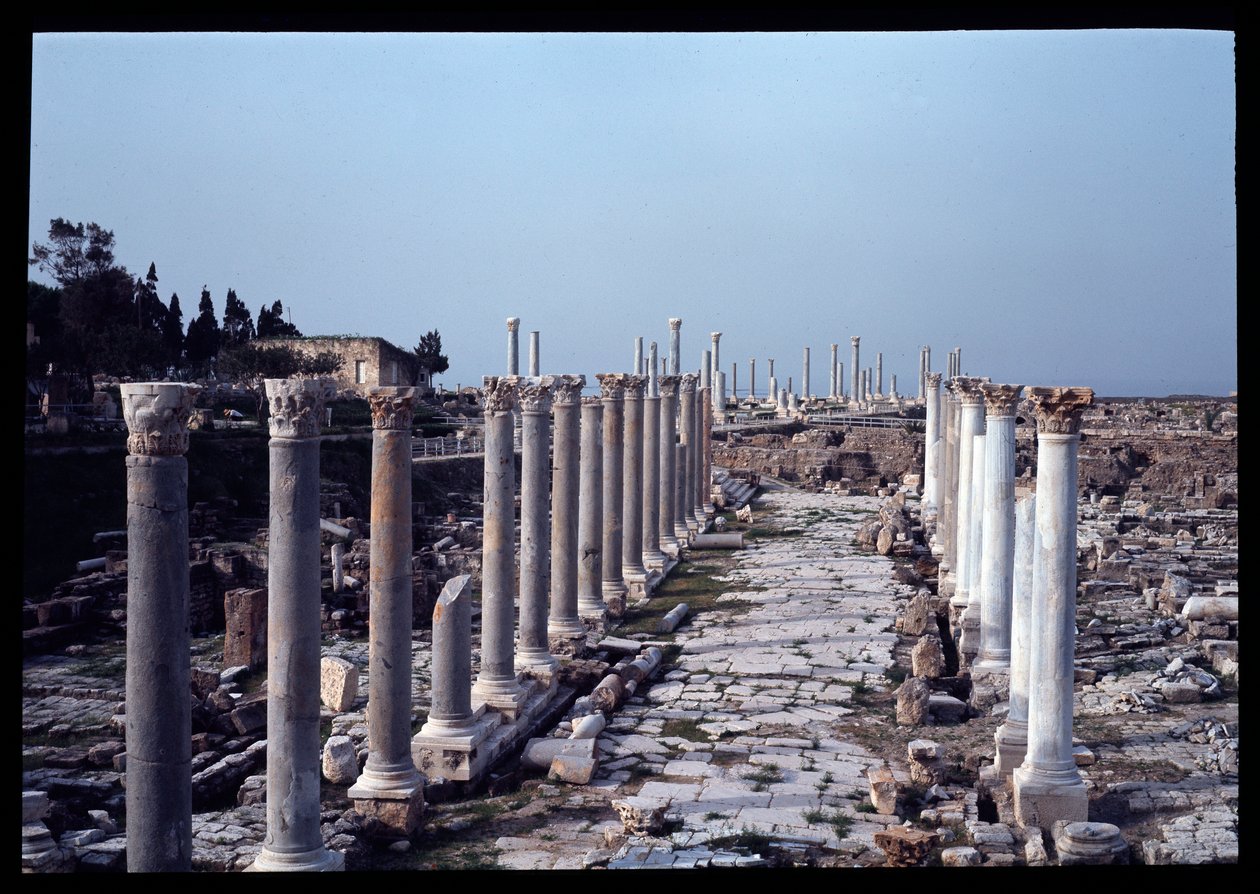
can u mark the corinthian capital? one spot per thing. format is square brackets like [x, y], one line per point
[157, 417]
[668, 385]
[634, 387]
[567, 390]
[968, 389]
[391, 407]
[535, 394]
[612, 386]
[513, 323]
[687, 383]
[499, 393]
[296, 406]
[1059, 410]
[933, 380]
[675, 323]
[1000, 400]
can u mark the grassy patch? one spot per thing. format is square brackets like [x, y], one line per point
[762, 776]
[684, 728]
[713, 815]
[746, 838]
[727, 758]
[865, 807]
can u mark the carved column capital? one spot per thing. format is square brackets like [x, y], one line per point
[566, 390]
[854, 339]
[634, 387]
[391, 407]
[687, 383]
[968, 389]
[157, 414]
[612, 386]
[715, 336]
[534, 394]
[1059, 410]
[675, 323]
[499, 394]
[668, 385]
[513, 323]
[1000, 400]
[296, 406]
[932, 379]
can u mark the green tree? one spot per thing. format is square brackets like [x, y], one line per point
[173, 330]
[238, 325]
[272, 324]
[203, 338]
[253, 363]
[429, 353]
[74, 251]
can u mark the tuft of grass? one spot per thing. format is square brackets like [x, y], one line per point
[865, 807]
[746, 838]
[714, 815]
[763, 776]
[683, 728]
[840, 823]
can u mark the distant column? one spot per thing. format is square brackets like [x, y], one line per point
[710, 382]
[613, 390]
[653, 558]
[159, 721]
[931, 483]
[513, 352]
[687, 418]
[969, 620]
[855, 365]
[958, 360]
[533, 658]
[971, 423]
[668, 438]
[752, 379]
[703, 406]
[706, 370]
[706, 483]
[1012, 736]
[497, 684]
[390, 789]
[840, 381]
[564, 623]
[892, 388]
[734, 382]
[591, 511]
[293, 839]
[638, 355]
[922, 370]
[1048, 786]
[675, 324]
[632, 570]
[997, 556]
[652, 373]
[719, 394]
[805, 375]
[831, 385]
[879, 374]
[533, 354]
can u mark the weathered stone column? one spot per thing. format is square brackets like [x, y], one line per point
[855, 366]
[774, 391]
[591, 511]
[513, 352]
[718, 406]
[533, 353]
[613, 391]
[752, 379]
[711, 381]
[451, 712]
[931, 483]
[293, 839]
[879, 374]
[958, 360]
[159, 719]
[706, 480]
[667, 459]
[831, 385]
[390, 788]
[700, 462]
[805, 375]
[971, 422]
[652, 374]
[969, 620]
[734, 393]
[565, 631]
[632, 570]
[922, 371]
[653, 558]
[839, 381]
[497, 684]
[533, 659]
[997, 555]
[1012, 736]
[1048, 786]
[892, 387]
[948, 486]
[675, 323]
[688, 438]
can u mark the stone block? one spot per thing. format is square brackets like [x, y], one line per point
[927, 659]
[913, 699]
[640, 816]
[338, 683]
[245, 618]
[1181, 693]
[34, 806]
[883, 790]
[250, 714]
[918, 613]
[961, 856]
[340, 762]
[392, 817]
[946, 708]
[203, 681]
[905, 846]
[573, 768]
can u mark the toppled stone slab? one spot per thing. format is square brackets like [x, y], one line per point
[338, 683]
[1085, 843]
[913, 700]
[340, 764]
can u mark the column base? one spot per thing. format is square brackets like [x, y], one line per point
[613, 589]
[565, 627]
[682, 534]
[1042, 800]
[633, 575]
[393, 812]
[540, 666]
[1011, 741]
[319, 860]
[504, 696]
[589, 609]
[568, 645]
[390, 785]
[993, 664]
[969, 634]
[669, 545]
[654, 561]
[454, 752]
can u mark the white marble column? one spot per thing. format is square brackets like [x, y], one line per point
[969, 620]
[892, 386]
[805, 375]
[840, 381]
[513, 349]
[922, 371]
[653, 558]
[948, 519]
[831, 385]
[855, 367]
[565, 630]
[688, 438]
[1048, 786]
[390, 789]
[591, 511]
[711, 380]
[668, 468]
[632, 570]
[719, 391]
[931, 493]
[970, 424]
[533, 658]
[997, 555]
[497, 684]
[1012, 736]
[675, 324]
[879, 374]
[734, 393]
[533, 354]
[752, 380]
[703, 405]
[638, 355]
[706, 479]
[613, 390]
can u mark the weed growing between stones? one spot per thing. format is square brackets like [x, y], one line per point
[762, 776]
[684, 728]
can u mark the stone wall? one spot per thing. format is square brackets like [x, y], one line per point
[383, 363]
[813, 457]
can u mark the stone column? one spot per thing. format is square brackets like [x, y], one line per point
[969, 620]
[892, 387]
[922, 370]
[390, 789]
[931, 493]
[774, 391]
[687, 419]
[1048, 786]
[1012, 736]
[706, 370]
[831, 385]
[653, 558]
[855, 366]
[971, 421]
[675, 323]
[667, 458]
[638, 355]
[734, 382]
[293, 839]
[159, 719]
[948, 486]
[706, 478]
[805, 375]
[613, 390]
[591, 511]
[451, 712]
[866, 384]
[783, 399]
[997, 555]
[565, 631]
[513, 354]
[958, 360]
[698, 458]
[840, 381]
[533, 659]
[632, 570]
[497, 684]
[711, 381]
[719, 395]
[752, 379]
[652, 374]
[533, 354]
[879, 374]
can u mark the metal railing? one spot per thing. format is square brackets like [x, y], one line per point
[448, 446]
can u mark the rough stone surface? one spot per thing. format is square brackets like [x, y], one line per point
[338, 683]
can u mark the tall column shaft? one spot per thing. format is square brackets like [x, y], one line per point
[564, 620]
[969, 641]
[971, 423]
[997, 556]
[687, 419]
[653, 558]
[1012, 735]
[719, 395]
[389, 772]
[293, 838]
[752, 378]
[533, 656]
[450, 711]
[534, 360]
[638, 355]
[805, 375]
[653, 376]
[831, 385]
[632, 483]
[879, 374]
[513, 349]
[932, 395]
[698, 458]
[497, 684]
[855, 366]
[591, 511]
[612, 386]
[706, 478]
[667, 458]
[675, 324]
[159, 720]
[734, 382]
[1048, 786]
[715, 362]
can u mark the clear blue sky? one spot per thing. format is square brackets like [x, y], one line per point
[1060, 204]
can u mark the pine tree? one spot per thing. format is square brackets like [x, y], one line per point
[204, 337]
